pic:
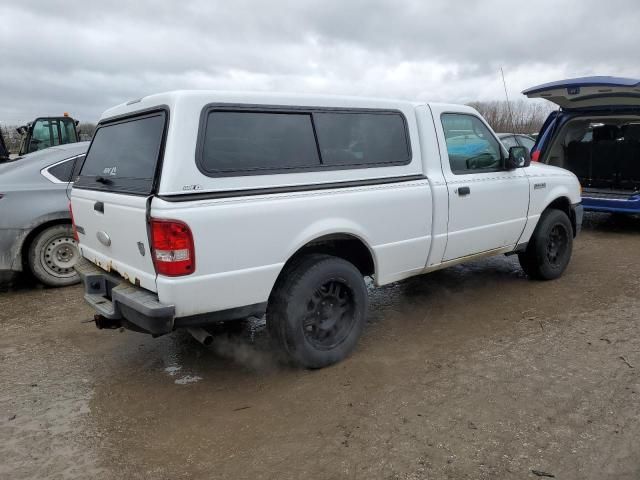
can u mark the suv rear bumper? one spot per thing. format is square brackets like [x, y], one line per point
[116, 299]
[611, 203]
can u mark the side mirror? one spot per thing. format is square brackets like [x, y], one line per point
[518, 158]
[21, 130]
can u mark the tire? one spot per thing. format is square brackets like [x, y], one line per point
[317, 310]
[52, 255]
[550, 247]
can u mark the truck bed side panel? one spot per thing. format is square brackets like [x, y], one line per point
[392, 219]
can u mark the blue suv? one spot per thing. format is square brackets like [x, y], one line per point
[595, 134]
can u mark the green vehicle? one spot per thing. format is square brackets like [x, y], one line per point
[45, 132]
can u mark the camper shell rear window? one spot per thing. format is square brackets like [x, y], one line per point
[124, 154]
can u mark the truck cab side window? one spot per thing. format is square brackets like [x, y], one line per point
[470, 145]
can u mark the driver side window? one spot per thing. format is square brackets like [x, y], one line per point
[470, 145]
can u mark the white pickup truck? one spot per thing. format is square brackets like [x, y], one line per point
[199, 207]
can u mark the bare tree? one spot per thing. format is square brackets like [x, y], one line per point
[11, 137]
[86, 131]
[516, 116]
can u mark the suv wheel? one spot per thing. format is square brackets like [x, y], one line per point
[550, 247]
[317, 310]
[52, 255]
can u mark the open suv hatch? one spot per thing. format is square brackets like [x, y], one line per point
[596, 135]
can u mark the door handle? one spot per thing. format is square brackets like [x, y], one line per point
[98, 207]
[462, 191]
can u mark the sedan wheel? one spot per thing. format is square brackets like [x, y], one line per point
[52, 255]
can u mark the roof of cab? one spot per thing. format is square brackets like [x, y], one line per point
[170, 99]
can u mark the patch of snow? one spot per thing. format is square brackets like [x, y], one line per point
[173, 369]
[188, 379]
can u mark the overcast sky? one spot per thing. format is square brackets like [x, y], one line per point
[83, 57]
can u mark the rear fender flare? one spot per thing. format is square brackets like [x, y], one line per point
[328, 227]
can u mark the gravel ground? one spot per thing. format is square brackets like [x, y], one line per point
[473, 372]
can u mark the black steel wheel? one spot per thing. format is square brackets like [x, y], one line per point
[557, 244]
[329, 315]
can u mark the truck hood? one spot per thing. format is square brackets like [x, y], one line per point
[589, 92]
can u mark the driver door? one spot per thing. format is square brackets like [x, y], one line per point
[488, 205]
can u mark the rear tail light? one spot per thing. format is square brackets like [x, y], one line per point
[535, 156]
[172, 247]
[73, 224]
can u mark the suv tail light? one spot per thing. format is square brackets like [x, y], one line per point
[535, 156]
[73, 224]
[172, 248]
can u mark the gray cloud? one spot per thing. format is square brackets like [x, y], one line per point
[84, 57]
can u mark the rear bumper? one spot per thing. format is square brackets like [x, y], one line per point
[116, 299]
[138, 309]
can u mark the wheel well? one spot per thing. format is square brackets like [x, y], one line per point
[345, 246]
[564, 204]
[24, 250]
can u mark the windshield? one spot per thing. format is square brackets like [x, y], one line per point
[123, 155]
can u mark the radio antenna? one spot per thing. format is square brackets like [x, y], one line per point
[506, 94]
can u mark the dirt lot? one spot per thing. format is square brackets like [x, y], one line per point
[473, 372]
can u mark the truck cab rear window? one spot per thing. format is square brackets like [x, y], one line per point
[249, 142]
[123, 155]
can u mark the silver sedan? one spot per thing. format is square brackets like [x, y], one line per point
[35, 224]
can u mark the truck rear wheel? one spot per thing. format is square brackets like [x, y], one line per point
[317, 311]
[52, 255]
[550, 247]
